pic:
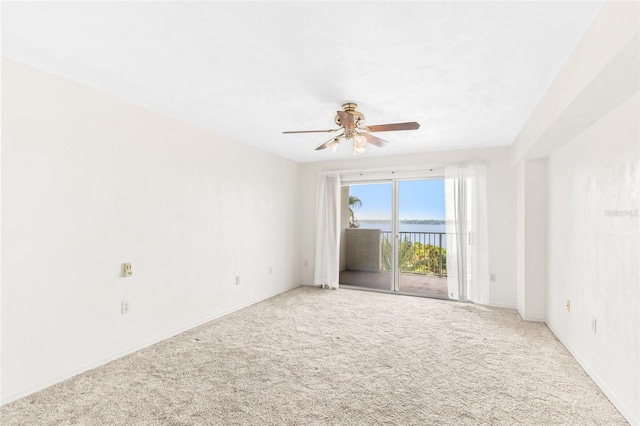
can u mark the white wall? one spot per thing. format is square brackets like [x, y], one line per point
[594, 185]
[501, 192]
[587, 126]
[90, 182]
[531, 237]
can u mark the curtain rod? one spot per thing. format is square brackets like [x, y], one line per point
[413, 168]
[385, 169]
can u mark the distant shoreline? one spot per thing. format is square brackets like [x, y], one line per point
[407, 221]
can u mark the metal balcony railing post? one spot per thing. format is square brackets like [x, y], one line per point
[440, 250]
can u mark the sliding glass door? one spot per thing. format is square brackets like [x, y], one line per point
[421, 237]
[367, 214]
[393, 237]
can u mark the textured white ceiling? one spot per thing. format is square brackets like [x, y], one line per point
[469, 72]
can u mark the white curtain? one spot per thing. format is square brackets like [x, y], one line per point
[327, 230]
[467, 235]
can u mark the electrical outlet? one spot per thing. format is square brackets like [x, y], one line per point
[306, 263]
[492, 278]
[594, 325]
[124, 307]
[237, 279]
[568, 305]
[126, 270]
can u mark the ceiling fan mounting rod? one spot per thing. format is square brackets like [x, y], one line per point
[349, 106]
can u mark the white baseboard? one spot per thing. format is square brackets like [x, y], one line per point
[534, 318]
[609, 393]
[45, 384]
[503, 305]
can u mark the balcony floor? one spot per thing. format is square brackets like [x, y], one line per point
[409, 283]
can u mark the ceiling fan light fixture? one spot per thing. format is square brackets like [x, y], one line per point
[358, 151]
[359, 141]
[333, 145]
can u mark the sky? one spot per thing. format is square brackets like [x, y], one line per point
[418, 199]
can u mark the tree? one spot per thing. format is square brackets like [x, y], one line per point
[354, 204]
[413, 257]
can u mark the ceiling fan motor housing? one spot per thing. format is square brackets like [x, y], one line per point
[350, 107]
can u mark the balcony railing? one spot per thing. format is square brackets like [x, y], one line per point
[418, 252]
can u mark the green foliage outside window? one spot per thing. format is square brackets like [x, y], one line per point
[354, 204]
[414, 257]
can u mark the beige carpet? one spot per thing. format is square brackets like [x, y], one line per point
[408, 283]
[345, 357]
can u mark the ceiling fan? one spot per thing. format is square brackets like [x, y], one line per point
[352, 129]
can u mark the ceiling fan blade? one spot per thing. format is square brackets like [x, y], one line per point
[346, 120]
[326, 144]
[374, 140]
[311, 131]
[395, 126]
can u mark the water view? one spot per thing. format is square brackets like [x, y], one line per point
[422, 240]
[385, 226]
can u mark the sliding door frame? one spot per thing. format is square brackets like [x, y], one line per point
[395, 232]
[349, 178]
